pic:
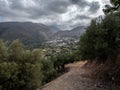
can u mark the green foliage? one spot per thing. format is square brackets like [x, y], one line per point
[16, 51]
[87, 42]
[62, 58]
[19, 68]
[115, 2]
[101, 40]
[48, 71]
[3, 52]
[22, 69]
[8, 73]
[110, 9]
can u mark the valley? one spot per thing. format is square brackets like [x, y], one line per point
[35, 34]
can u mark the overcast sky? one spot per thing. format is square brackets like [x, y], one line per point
[65, 14]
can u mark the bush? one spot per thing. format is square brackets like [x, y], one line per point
[19, 68]
[101, 40]
[48, 71]
[22, 69]
[62, 58]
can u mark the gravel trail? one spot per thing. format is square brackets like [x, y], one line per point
[74, 80]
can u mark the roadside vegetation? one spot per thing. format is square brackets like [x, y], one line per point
[101, 44]
[25, 69]
[101, 40]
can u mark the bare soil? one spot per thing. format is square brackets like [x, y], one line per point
[77, 78]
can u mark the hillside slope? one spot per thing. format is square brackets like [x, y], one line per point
[75, 79]
[30, 33]
[75, 32]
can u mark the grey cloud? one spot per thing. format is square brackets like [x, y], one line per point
[82, 17]
[17, 5]
[80, 3]
[78, 20]
[74, 1]
[94, 6]
[58, 6]
[46, 9]
[42, 8]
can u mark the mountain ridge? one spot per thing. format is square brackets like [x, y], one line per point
[27, 32]
[34, 34]
[75, 32]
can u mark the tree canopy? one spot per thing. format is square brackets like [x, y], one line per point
[110, 9]
[101, 40]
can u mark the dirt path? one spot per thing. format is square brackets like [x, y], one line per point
[74, 80]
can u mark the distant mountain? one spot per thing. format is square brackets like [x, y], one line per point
[54, 28]
[31, 34]
[75, 32]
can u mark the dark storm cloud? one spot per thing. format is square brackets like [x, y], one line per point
[78, 20]
[81, 3]
[40, 8]
[82, 17]
[47, 10]
[94, 6]
[16, 4]
[58, 6]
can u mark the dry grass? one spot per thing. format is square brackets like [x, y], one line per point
[107, 72]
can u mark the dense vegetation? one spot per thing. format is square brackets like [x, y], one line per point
[110, 9]
[102, 39]
[19, 68]
[22, 69]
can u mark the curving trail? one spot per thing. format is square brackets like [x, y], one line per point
[74, 80]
